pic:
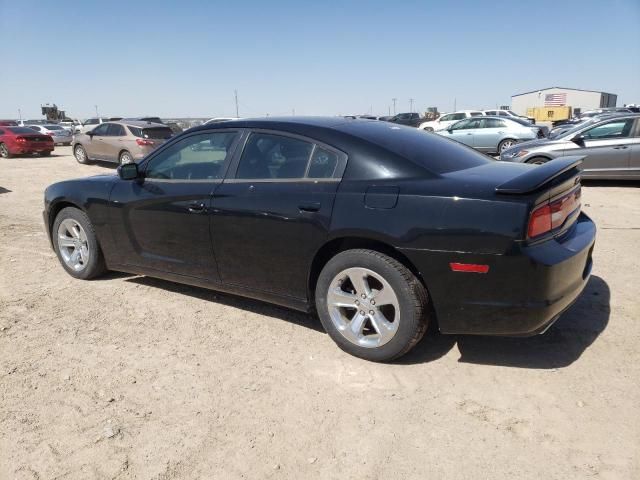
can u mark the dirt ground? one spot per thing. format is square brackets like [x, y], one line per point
[130, 377]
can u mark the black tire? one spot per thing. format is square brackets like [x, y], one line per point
[503, 144]
[80, 154]
[46, 154]
[96, 265]
[125, 157]
[411, 294]
[538, 160]
[4, 151]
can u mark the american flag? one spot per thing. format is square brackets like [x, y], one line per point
[555, 99]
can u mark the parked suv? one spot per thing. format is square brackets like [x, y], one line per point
[120, 142]
[91, 123]
[611, 146]
[410, 119]
[448, 119]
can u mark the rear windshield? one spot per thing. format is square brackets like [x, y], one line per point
[155, 133]
[430, 150]
[20, 130]
[476, 114]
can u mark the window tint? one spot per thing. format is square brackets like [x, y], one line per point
[490, 112]
[503, 113]
[115, 130]
[458, 116]
[614, 129]
[20, 130]
[160, 133]
[492, 123]
[33, 127]
[446, 118]
[197, 157]
[323, 163]
[476, 114]
[272, 156]
[101, 130]
[463, 125]
[92, 121]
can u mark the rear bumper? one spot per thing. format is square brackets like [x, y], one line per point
[522, 294]
[47, 147]
[62, 140]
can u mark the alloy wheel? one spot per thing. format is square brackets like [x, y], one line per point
[125, 158]
[81, 155]
[363, 307]
[73, 244]
[506, 144]
[4, 153]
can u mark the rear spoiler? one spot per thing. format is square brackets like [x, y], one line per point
[539, 176]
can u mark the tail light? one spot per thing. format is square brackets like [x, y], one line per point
[21, 140]
[143, 142]
[552, 214]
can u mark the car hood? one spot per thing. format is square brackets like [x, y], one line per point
[531, 144]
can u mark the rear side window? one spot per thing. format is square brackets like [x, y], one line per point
[20, 130]
[268, 156]
[476, 114]
[160, 133]
[323, 163]
[492, 123]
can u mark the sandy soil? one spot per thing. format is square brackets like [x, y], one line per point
[130, 377]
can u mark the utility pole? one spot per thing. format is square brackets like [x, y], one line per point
[293, 112]
[411, 105]
[454, 104]
[394, 100]
[389, 108]
[96, 107]
[20, 115]
[235, 92]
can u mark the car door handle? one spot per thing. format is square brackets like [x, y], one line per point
[620, 147]
[309, 206]
[197, 207]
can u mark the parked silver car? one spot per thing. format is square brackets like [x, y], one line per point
[60, 135]
[611, 146]
[490, 134]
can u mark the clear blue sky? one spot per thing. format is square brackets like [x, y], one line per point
[185, 58]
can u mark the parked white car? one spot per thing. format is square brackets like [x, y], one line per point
[448, 119]
[508, 114]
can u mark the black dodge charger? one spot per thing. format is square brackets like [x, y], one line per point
[378, 228]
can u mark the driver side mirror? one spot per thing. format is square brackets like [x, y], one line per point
[128, 171]
[578, 139]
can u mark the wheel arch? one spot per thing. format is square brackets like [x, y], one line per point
[546, 157]
[55, 209]
[341, 244]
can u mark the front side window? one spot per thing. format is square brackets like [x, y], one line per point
[458, 116]
[463, 125]
[197, 157]
[92, 121]
[446, 118]
[268, 156]
[101, 130]
[614, 129]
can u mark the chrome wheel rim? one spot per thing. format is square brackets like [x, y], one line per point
[81, 156]
[363, 307]
[3, 151]
[125, 158]
[73, 244]
[506, 144]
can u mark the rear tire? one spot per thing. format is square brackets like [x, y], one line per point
[46, 154]
[378, 332]
[4, 151]
[125, 157]
[76, 244]
[506, 143]
[81, 154]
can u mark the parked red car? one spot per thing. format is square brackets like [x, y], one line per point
[8, 123]
[22, 140]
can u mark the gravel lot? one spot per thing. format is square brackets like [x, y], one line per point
[131, 377]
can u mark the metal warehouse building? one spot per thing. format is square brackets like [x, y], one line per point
[579, 100]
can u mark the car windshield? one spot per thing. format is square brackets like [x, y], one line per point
[573, 129]
[20, 130]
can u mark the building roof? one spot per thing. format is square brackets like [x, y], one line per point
[561, 88]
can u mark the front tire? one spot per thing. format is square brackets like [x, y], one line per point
[76, 244]
[46, 154]
[81, 154]
[538, 160]
[371, 305]
[4, 151]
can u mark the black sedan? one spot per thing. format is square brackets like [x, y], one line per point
[379, 228]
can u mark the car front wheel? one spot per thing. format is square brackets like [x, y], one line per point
[505, 144]
[371, 305]
[125, 157]
[76, 244]
[81, 154]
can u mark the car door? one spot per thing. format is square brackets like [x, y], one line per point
[162, 222]
[95, 145]
[462, 131]
[489, 134]
[113, 142]
[273, 212]
[607, 147]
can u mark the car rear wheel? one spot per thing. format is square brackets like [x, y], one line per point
[76, 245]
[506, 143]
[4, 151]
[125, 157]
[45, 154]
[538, 160]
[81, 154]
[371, 305]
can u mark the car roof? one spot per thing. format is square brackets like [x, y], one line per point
[138, 123]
